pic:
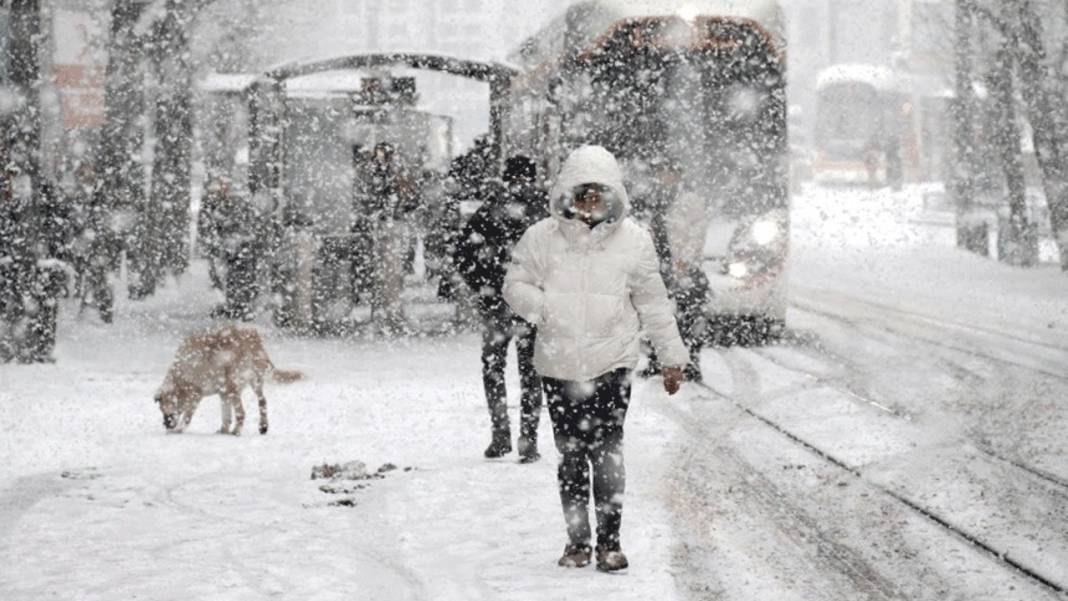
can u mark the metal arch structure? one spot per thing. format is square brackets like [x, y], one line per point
[266, 105]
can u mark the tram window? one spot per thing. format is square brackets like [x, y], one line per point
[849, 117]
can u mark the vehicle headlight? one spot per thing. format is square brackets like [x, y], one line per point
[765, 232]
[264, 202]
[738, 270]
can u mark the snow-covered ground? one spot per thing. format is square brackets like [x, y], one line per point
[913, 416]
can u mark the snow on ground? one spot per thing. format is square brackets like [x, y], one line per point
[98, 502]
[878, 246]
[919, 368]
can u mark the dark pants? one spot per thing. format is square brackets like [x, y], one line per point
[587, 420]
[241, 281]
[497, 332]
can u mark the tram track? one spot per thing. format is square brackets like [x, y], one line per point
[944, 323]
[797, 525]
[952, 365]
[850, 392]
[929, 321]
[999, 555]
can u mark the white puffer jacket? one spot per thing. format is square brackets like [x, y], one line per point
[591, 291]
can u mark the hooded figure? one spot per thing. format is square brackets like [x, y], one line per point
[590, 290]
[588, 278]
[391, 199]
[482, 254]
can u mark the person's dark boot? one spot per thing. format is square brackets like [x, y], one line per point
[575, 556]
[528, 449]
[649, 371]
[611, 560]
[500, 446]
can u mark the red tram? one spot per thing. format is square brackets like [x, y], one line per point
[693, 104]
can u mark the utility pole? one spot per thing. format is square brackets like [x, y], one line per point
[832, 31]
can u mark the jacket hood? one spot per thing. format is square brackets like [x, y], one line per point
[589, 165]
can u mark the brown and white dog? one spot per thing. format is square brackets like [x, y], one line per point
[220, 361]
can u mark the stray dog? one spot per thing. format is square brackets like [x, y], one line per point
[221, 361]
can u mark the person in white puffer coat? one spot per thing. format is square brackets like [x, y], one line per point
[588, 278]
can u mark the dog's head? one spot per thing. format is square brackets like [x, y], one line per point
[168, 405]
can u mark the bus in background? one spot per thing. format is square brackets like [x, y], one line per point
[693, 104]
[862, 130]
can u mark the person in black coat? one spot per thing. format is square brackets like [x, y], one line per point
[482, 255]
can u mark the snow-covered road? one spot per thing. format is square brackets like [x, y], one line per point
[905, 442]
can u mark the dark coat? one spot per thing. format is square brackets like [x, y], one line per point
[392, 194]
[485, 245]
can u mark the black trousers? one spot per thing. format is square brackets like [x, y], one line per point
[497, 332]
[587, 420]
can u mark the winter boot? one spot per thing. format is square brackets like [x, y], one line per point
[500, 446]
[575, 556]
[692, 373]
[528, 449]
[611, 560]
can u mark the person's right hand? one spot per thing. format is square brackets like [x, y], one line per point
[672, 379]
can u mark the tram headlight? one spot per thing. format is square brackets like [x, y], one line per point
[765, 231]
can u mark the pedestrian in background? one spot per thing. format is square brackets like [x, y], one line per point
[679, 224]
[589, 279]
[392, 199]
[482, 255]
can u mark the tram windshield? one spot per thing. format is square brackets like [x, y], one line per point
[708, 99]
[850, 119]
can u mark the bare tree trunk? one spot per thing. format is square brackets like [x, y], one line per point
[1040, 100]
[30, 291]
[971, 233]
[24, 71]
[119, 167]
[1017, 244]
[171, 183]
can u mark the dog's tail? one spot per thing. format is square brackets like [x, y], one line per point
[285, 376]
[281, 376]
